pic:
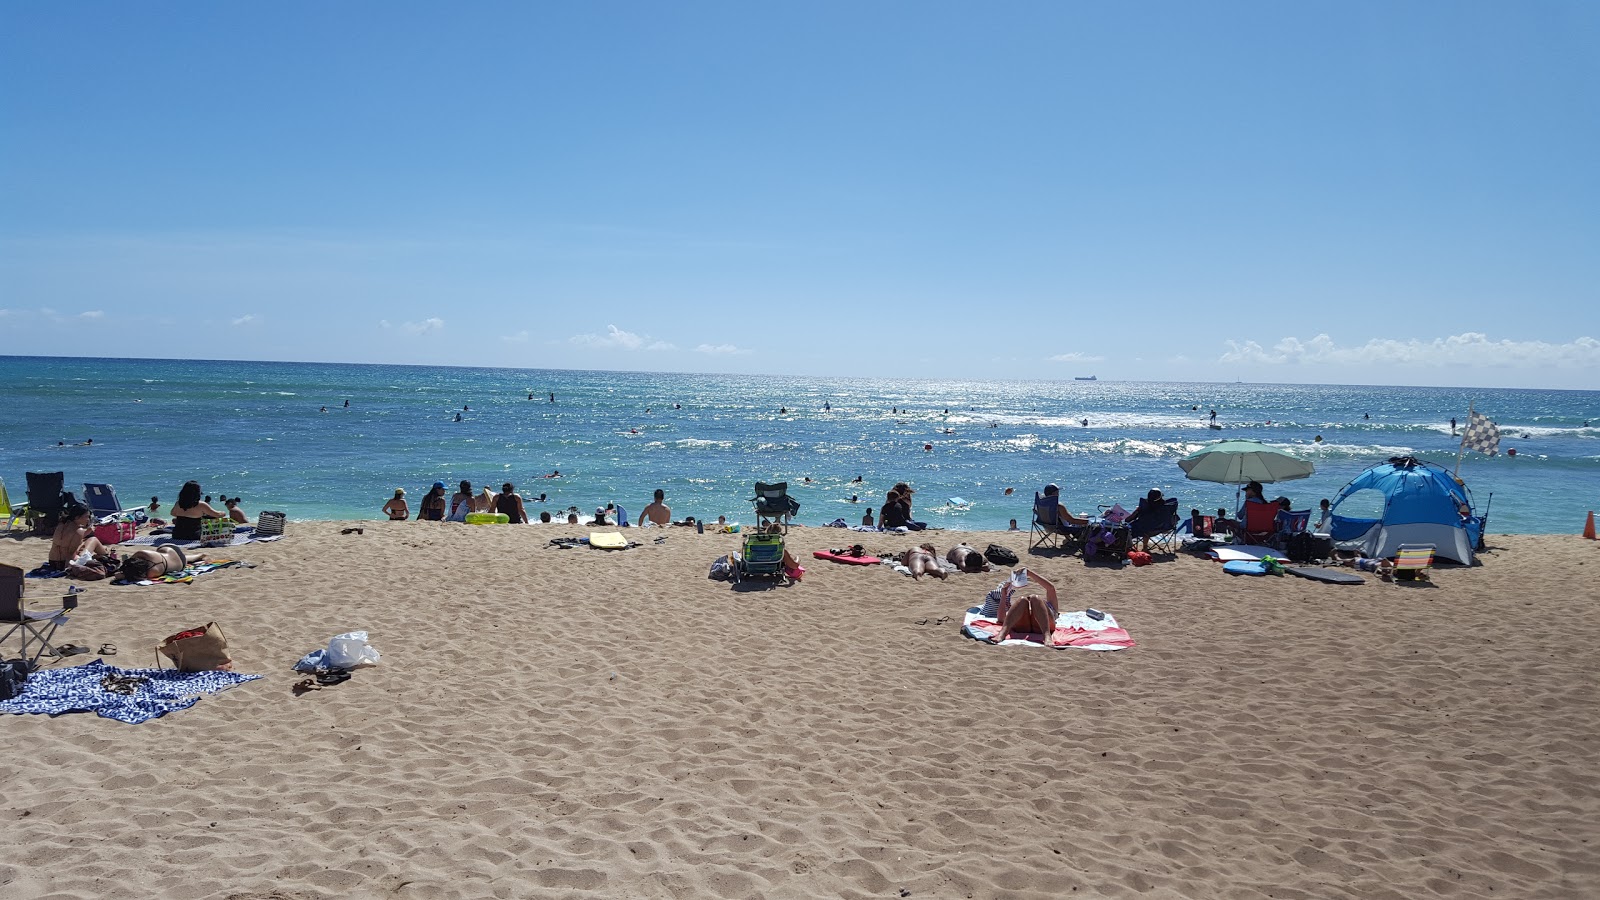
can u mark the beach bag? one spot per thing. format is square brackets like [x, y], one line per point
[269, 523]
[721, 570]
[1000, 556]
[216, 532]
[1300, 547]
[197, 649]
[13, 678]
[109, 533]
[1139, 558]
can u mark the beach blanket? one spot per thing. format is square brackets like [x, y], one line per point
[85, 689]
[1073, 629]
[244, 535]
[187, 576]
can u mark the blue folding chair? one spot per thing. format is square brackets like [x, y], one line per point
[103, 503]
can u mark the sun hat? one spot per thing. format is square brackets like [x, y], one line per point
[399, 490]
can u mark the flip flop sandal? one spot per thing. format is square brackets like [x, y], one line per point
[330, 678]
[353, 530]
[108, 649]
[70, 650]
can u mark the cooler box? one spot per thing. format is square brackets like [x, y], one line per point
[114, 532]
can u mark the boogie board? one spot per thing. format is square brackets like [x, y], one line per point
[846, 559]
[607, 540]
[1245, 567]
[1241, 551]
[1331, 576]
[488, 519]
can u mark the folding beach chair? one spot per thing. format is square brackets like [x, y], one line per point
[1289, 524]
[8, 512]
[35, 627]
[1412, 562]
[761, 557]
[1047, 530]
[1257, 522]
[773, 504]
[103, 504]
[47, 496]
[1156, 525]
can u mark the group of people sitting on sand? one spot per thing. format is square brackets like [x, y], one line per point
[436, 507]
[77, 552]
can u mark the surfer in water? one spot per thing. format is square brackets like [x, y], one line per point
[1213, 417]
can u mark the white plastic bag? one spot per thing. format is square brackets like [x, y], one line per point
[350, 650]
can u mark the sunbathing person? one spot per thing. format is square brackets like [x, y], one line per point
[923, 560]
[73, 538]
[145, 563]
[396, 509]
[433, 507]
[1028, 614]
[658, 513]
[188, 512]
[464, 495]
[509, 504]
[487, 501]
[1383, 568]
[967, 559]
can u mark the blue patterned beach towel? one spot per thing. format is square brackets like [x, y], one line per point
[83, 689]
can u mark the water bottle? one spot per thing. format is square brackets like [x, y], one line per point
[699, 527]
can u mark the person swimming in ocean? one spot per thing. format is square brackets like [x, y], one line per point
[458, 417]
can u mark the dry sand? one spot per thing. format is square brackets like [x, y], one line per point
[581, 723]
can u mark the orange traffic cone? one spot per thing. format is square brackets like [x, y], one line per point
[1588, 527]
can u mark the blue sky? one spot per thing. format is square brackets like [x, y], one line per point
[1312, 192]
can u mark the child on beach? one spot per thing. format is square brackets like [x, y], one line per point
[234, 512]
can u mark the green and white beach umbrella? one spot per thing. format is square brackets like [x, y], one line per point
[1241, 461]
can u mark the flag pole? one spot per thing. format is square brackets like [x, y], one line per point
[1463, 449]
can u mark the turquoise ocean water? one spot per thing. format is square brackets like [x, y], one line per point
[257, 430]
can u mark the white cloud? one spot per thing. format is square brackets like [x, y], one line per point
[247, 319]
[624, 340]
[423, 327]
[1076, 357]
[727, 349]
[92, 314]
[1467, 349]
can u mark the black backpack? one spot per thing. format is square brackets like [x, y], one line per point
[13, 676]
[1000, 556]
[1300, 547]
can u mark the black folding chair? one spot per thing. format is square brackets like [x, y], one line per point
[34, 627]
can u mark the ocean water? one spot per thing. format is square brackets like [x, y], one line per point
[258, 430]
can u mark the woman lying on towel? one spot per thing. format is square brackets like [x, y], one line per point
[923, 560]
[1028, 614]
[967, 559]
[145, 563]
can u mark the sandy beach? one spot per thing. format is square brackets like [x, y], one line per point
[551, 722]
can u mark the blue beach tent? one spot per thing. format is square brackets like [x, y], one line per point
[1422, 504]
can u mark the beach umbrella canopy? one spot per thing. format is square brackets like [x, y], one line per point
[1237, 462]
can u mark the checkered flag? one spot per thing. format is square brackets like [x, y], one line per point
[1481, 435]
